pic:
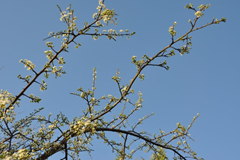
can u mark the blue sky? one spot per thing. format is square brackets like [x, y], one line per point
[206, 81]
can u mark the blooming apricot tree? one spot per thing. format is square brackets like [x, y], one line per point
[21, 139]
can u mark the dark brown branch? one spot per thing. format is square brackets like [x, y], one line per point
[52, 151]
[124, 147]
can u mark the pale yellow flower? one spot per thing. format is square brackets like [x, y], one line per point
[199, 14]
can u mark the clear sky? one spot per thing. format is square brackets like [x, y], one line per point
[206, 81]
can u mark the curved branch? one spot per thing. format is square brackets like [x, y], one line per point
[140, 137]
[52, 151]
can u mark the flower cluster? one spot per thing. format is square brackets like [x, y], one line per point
[141, 76]
[34, 99]
[43, 86]
[61, 61]
[81, 125]
[203, 7]
[28, 64]
[64, 45]
[221, 20]
[67, 17]
[6, 112]
[171, 29]
[140, 100]
[124, 89]
[49, 54]
[106, 15]
[140, 62]
[198, 14]
[116, 78]
[189, 6]
[5, 96]
[49, 44]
